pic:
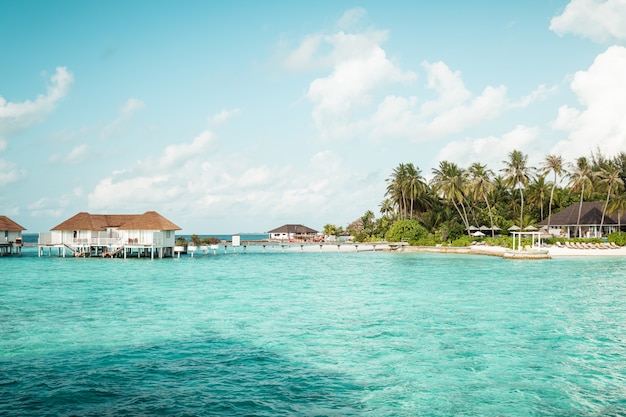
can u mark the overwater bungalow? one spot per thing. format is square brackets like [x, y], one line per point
[12, 232]
[112, 235]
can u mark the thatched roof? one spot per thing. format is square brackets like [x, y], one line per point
[590, 214]
[150, 220]
[294, 228]
[10, 225]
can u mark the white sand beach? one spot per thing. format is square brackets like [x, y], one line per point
[554, 251]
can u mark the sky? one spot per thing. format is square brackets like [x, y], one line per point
[239, 116]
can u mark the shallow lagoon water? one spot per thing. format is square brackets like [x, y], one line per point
[313, 334]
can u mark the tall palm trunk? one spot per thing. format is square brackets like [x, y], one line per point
[521, 210]
[580, 208]
[493, 232]
[464, 218]
[551, 199]
[606, 204]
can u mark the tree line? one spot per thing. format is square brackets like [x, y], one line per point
[457, 198]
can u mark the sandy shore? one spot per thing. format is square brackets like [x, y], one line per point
[554, 251]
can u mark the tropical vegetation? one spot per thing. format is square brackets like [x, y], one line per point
[445, 208]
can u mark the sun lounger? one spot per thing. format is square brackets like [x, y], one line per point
[614, 245]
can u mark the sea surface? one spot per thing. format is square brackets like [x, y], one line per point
[312, 334]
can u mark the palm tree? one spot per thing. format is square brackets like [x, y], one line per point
[481, 186]
[609, 175]
[449, 183]
[537, 191]
[618, 204]
[396, 189]
[415, 187]
[517, 175]
[555, 164]
[386, 208]
[581, 180]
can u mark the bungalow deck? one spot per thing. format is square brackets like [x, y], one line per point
[10, 248]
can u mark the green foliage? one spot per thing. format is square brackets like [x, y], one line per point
[210, 241]
[406, 230]
[618, 238]
[195, 239]
[181, 241]
[463, 241]
[428, 240]
[502, 241]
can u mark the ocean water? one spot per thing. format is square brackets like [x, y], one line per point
[312, 334]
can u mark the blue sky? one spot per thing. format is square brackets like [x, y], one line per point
[242, 116]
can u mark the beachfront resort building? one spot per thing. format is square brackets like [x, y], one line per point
[114, 235]
[11, 233]
[293, 232]
[565, 223]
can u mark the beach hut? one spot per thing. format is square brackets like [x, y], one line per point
[11, 236]
[565, 223]
[111, 235]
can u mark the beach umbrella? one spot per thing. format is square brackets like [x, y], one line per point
[496, 228]
[513, 228]
[472, 228]
[531, 228]
[483, 228]
[478, 233]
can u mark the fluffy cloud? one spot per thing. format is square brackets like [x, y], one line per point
[354, 99]
[126, 112]
[595, 19]
[454, 109]
[489, 150]
[9, 172]
[223, 116]
[194, 182]
[77, 154]
[15, 116]
[601, 90]
[361, 68]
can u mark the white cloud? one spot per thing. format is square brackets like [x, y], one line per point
[489, 150]
[9, 172]
[358, 96]
[601, 90]
[595, 19]
[41, 208]
[351, 17]
[453, 110]
[126, 112]
[178, 154]
[193, 182]
[131, 106]
[224, 116]
[360, 69]
[77, 154]
[15, 116]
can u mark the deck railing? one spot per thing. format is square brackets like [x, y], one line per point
[155, 239]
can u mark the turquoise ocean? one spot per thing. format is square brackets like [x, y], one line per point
[312, 334]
